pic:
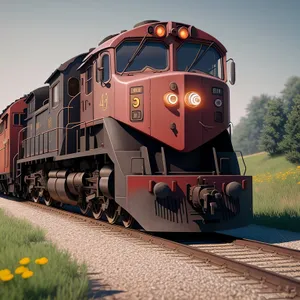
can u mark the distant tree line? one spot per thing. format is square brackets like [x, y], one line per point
[272, 124]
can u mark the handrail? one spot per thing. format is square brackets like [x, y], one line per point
[14, 158]
[57, 128]
[230, 125]
[45, 101]
[242, 160]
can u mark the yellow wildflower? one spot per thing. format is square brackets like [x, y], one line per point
[27, 274]
[24, 261]
[299, 182]
[21, 270]
[4, 272]
[41, 261]
[6, 277]
[298, 167]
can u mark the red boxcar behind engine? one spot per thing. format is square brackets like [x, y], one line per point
[11, 122]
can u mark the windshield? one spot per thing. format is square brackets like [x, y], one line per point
[153, 54]
[209, 62]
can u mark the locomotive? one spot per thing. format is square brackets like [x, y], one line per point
[136, 130]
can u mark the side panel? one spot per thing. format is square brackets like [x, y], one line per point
[4, 143]
[162, 117]
[9, 136]
[87, 97]
[131, 111]
[104, 100]
[15, 143]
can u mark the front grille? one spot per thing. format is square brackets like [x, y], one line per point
[172, 209]
[230, 207]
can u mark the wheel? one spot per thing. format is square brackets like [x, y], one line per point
[47, 198]
[84, 207]
[58, 204]
[35, 196]
[97, 210]
[112, 212]
[127, 219]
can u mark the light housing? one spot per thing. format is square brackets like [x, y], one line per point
[218, 102]
[183, 33]
[192, 99]
[170, 99]
[160, 30]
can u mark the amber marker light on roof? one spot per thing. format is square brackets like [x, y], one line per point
[160, 30]
[183, 33]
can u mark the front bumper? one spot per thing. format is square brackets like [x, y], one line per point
[190, 203]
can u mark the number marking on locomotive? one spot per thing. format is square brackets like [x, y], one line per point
[104, 101]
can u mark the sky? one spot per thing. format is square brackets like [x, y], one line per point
[262, 36]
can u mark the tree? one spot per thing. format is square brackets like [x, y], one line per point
[291, 141]
[290, 91]
[247, 133]
[240, 136]
[273, 128]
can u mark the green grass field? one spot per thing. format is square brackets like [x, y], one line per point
[276, 191]
[60, 278]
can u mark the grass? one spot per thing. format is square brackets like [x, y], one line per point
[61, 278]
[276, 191]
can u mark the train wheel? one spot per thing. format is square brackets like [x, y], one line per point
[84, 207]
[127, 219]
[97, 209]
[35, 196]
[47, 198]
[112, 212]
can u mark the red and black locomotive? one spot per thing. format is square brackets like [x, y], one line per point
[133, 130]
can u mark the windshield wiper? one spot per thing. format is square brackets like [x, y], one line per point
[139, 47]
[198, 57]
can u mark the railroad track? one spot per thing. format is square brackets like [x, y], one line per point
[272, 270]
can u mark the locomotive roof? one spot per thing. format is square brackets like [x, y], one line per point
[41, 93]
[64, 66]
[111, 40]
[8, 106]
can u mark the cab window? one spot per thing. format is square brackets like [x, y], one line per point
[197, 57]
[19, 119]
[55, 95]
[89, 80]
[105, 63]
[154, 55]
[106, 69]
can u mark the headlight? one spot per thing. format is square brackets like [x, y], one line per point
[160, 30]
[218, 102]
[170, 99]
[192, 99]
[183, 33]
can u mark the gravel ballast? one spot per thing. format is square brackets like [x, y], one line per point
[124, 268]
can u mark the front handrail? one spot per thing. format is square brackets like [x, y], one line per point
[242, 160]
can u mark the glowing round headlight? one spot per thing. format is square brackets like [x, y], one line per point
[183, 33]
[192, 99]
[171, 99]
[160, 30]
[218, 102]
